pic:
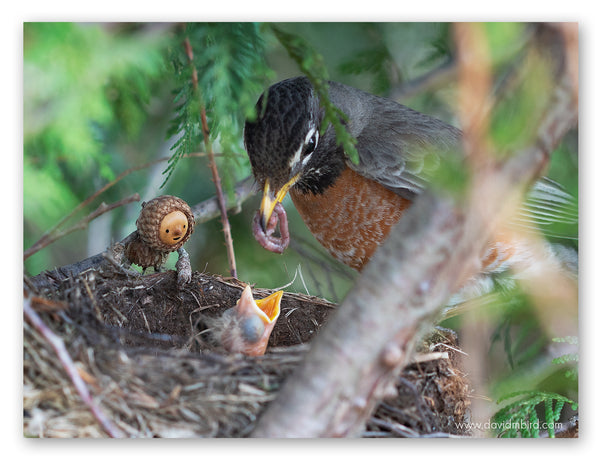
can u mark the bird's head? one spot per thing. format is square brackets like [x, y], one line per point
[286, 144]
[248, 325]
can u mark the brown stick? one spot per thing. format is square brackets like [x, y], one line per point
[64, 357]
[213, 167]
[432, 250]
[220, 198]
[48, 236]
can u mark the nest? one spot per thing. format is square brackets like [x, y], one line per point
[146, 353]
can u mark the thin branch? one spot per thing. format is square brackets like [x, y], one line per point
[50, 238]
[44, 240]
[210, 208]
[213, 167]
[66, 361]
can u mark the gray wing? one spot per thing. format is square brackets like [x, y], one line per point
[397, 146]
[405, 149]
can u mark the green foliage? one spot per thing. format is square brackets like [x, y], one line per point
[448, 174]
[520, 345]
[504, 40]
[78, 81]
[525, 78]
[521, 417]
[71, 77]
[518, 329]
[568, 359]
[228, 62]
[375, 60]
[524, 346]
[312, 65]
[442, 48]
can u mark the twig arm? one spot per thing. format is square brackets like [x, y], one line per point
[183, 267]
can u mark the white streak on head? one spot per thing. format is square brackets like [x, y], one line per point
[298, 154]
[313, 131]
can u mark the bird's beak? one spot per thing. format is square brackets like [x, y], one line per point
[269, 200]
[267, 308]
[256, 319]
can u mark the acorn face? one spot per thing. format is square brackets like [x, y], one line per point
[165, 223]
[173, 227]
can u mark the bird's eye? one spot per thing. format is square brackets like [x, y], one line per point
[310, 146]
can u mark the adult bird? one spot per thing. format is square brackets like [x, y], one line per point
[350, 208]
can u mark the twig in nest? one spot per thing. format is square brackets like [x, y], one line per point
[46, 305]
[213, 167]
[54, 234]
[64, 357]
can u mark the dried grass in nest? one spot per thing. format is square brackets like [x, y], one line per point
[144, 351]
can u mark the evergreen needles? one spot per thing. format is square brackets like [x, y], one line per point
[522, 417]
[227, 74]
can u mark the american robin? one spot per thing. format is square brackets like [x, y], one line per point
[247, 326]
[349, 208]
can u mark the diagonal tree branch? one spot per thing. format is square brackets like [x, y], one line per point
[430, 253]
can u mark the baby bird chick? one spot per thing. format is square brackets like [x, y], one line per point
[247, 326]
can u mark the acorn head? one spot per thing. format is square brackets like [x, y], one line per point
[165, 223]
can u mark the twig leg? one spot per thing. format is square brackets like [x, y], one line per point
[183, 267]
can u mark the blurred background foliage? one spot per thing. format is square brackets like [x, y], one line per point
[99, 99]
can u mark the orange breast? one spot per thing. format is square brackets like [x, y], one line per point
[499, 252]
[352, 217]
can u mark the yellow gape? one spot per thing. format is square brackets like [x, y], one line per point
[173, 227]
